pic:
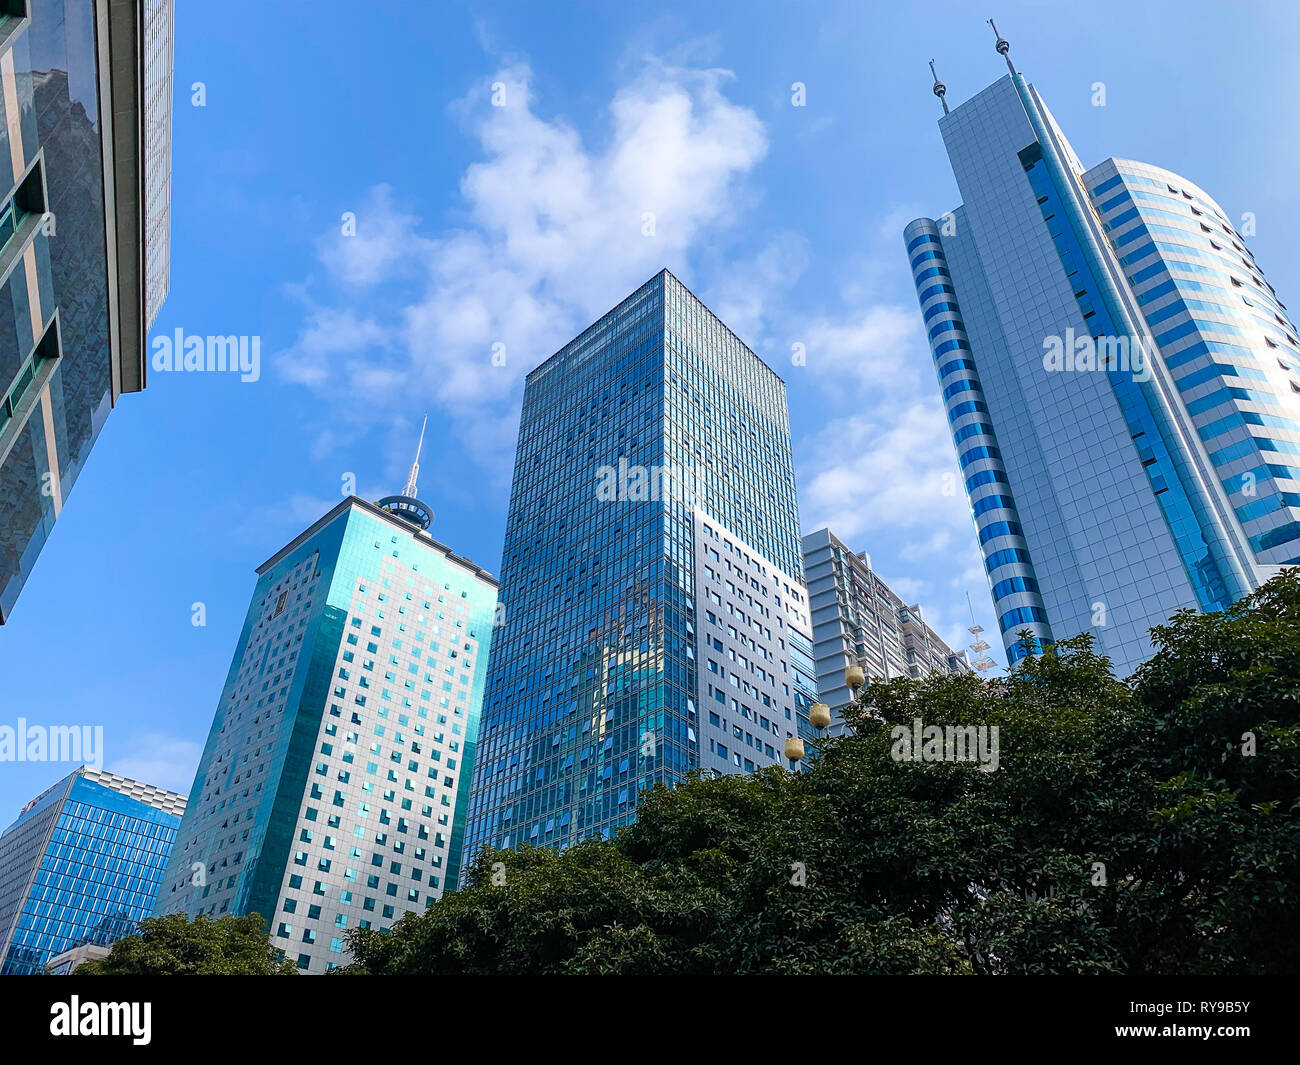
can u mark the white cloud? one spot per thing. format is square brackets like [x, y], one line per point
[875, 346]
[266, 526]
[330, 335]
[882, 475]
[552, 230]
[557, 221]
[378, 242]
[921, 548]
[887, 468]
[909, 589]
[746, 294]
[161, 760]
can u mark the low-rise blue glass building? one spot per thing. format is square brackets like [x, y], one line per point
[82, 864]
[1121, 381]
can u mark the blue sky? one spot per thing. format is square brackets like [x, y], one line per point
[479, 225]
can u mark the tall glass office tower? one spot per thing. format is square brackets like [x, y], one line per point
[1120, 380]
[85, 154]
[82, 864]
[654, 615]
[333, 788]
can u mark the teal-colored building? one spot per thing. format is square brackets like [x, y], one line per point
[333, 788]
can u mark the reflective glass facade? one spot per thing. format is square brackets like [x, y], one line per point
[654, 619]
[1099, 489]
[333, 788]
[72, 247]
[82, 864]
[1227, 341]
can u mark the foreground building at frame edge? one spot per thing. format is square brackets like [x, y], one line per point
[333, 788]
[1107, 493]
[81, 866]
[859, 620]
[655, 620]
[85, 149]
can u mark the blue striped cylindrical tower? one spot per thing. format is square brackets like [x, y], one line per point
[1006, 554]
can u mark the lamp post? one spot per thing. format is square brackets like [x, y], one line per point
[819, 714]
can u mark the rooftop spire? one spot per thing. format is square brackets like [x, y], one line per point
[409, 490]
[1003, 46]
[407, 506]
[939, 88]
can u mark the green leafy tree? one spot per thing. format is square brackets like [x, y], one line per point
[1142, 826]
[176, 946]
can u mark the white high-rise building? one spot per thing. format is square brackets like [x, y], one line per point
[859, 620]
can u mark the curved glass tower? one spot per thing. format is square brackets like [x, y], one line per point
[1120, 379]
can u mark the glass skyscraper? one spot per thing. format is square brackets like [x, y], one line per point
[332, 790]
[82, 865]
[654, 617]
[85, 154]
[1119, 378]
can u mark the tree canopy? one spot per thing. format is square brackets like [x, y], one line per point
[176, 946]
[1149, 825]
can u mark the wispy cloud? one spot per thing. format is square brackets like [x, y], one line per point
[550, 232]
[873, 346]
[883, 469]
[880, 472]
[158, 759]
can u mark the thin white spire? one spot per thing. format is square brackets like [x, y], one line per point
[410, 489]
